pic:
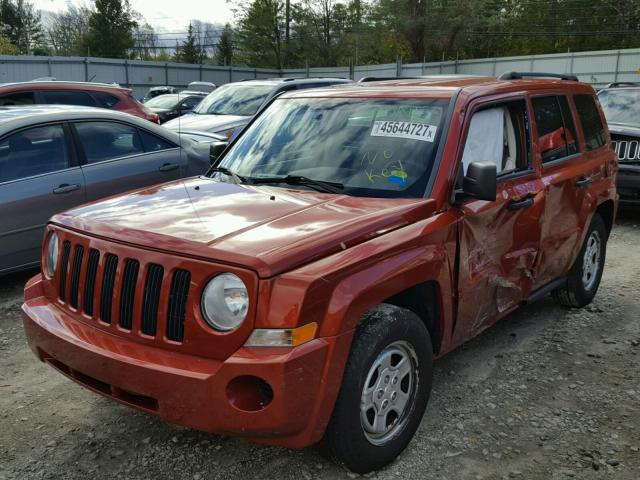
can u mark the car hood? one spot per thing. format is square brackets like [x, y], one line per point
[207, 123]
[267, 229]
[624, 129]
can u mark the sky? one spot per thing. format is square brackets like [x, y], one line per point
[163, 15]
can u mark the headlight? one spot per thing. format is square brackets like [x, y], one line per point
[52, 254]
[227, 133]
[225, 302]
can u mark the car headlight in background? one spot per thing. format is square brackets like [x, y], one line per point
[225, 302]
[227, 133]
[52, 254]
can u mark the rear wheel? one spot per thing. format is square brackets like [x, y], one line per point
[384, 391]
[584, 277]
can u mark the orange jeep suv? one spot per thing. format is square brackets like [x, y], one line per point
[347, 238]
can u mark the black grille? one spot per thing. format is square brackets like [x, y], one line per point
[128, 292]
[66, 250]
[627, 148]
[151, 299]
[75, 275]
[90, 281]
[109, 279]
[177, 304]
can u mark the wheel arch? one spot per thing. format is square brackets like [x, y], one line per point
[607, 211]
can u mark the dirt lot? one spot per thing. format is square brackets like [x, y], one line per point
[546, 394]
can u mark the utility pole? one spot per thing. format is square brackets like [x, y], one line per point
[287, 21]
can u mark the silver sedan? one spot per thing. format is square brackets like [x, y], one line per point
[55, 157]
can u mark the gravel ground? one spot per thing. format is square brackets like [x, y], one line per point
[548, 393]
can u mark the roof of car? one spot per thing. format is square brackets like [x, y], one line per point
[297, 81]
[440, 87]
[15, 117]
[49, 84]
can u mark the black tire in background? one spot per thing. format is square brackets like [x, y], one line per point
[585, 274]
[386, 334]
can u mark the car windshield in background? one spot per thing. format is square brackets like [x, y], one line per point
[375, 148]
[234, 99]
[163, 101]
[621, 105]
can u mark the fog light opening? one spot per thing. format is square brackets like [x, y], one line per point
[249, 393]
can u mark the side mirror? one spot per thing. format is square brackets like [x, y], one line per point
[480, 181]
[215, 150]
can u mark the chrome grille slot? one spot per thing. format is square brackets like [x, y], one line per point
[75, 275]
[128, 292]
[66, 250]
[109, 279]
[152, 287]
[177, 304]
[90, 281]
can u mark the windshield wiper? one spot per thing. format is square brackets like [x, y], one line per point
[319, 185]
[237, 179]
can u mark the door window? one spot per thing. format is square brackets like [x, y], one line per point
[191, 102]
[18, 98]
[500, 135]
[108, 140]
[556, 131]
[594, 133]
[153, 143]
[61, 97]
[33, 152]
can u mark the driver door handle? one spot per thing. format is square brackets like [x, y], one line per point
[584, 182]
[66, 188]
[518, 204]
[167, 167]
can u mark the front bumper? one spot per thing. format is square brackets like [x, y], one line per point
[192, 391]
[628, 184]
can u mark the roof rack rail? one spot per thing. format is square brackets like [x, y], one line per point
[623, 84]
[382, 79]
[521, 75]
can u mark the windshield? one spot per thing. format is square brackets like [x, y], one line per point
[375, 148]
[234, 99]
[621, 105]
[163, 101]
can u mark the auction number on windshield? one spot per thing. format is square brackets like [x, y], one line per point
[414, 131]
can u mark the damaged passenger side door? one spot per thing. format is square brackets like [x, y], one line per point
[498, 240]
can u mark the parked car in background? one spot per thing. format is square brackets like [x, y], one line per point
[231, 106]
[200, 87]
[101, 95]
[621, 104]
[55, 157]
[157, 91]
[300, 292]
[170, 106]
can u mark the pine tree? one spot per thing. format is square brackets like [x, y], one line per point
[224, 49]
[110, 29]
[190, 51]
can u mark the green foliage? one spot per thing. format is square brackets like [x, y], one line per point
[110, 31]
[20, 23]
[6, 47]
[190, 51]
[224, 49]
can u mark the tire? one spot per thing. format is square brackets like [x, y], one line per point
[585, 274]
[386, 337]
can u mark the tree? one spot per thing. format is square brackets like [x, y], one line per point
[145, 41]
[261, 29]
[6, 47]
[67, 30]
[20, 23]
[111, 27]
[190, 51]
[224, 49]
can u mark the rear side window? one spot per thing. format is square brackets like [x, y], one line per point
[108, 140]
[34, 151]
[594, 133]
[556, 130]
[105, 100]
[153, 143]
[60, 97]
[18, 98]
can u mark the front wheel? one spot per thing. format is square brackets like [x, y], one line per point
[585, 274]
[384, 391]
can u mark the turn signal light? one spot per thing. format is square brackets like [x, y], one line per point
[282, 337]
